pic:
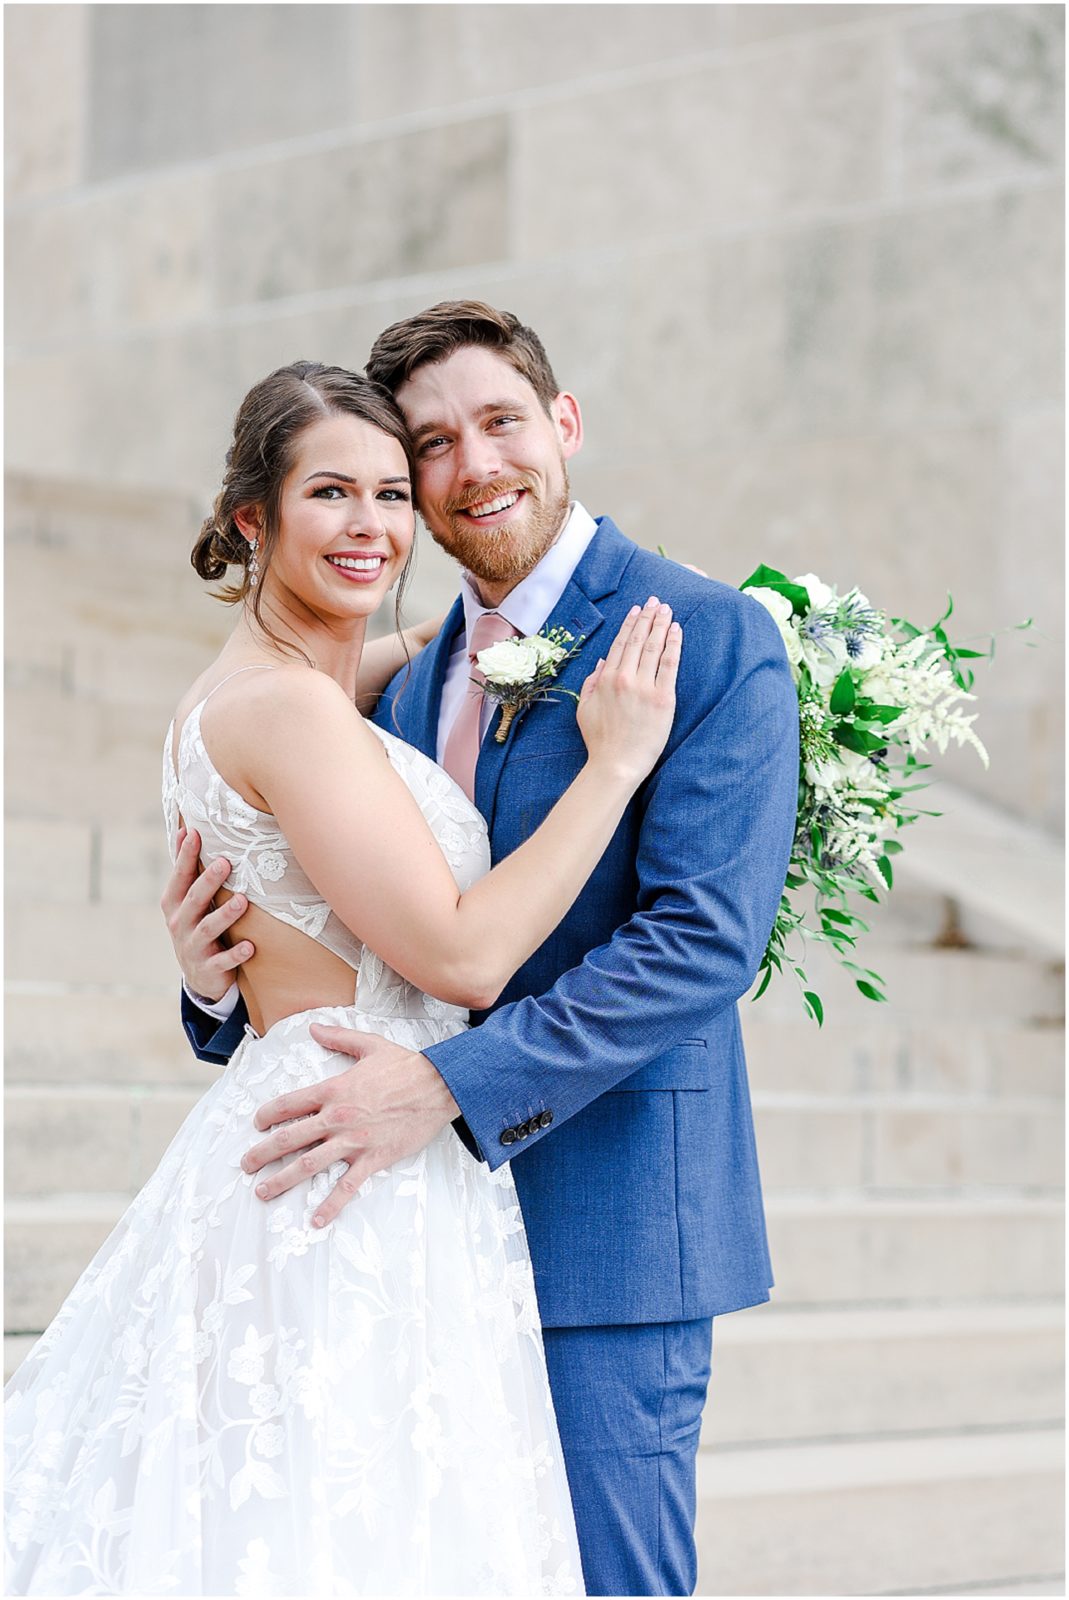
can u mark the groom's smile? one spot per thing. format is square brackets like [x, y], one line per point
[492, 483]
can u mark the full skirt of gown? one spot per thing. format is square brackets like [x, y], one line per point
[233, 1402]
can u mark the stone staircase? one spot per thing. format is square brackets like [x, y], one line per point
[890, 1423]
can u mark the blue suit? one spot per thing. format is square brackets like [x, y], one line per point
[611, 1070]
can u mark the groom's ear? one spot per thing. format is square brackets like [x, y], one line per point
[569, 421]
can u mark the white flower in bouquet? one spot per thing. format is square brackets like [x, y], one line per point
[782, 612]
[823, 649]
[818, 591]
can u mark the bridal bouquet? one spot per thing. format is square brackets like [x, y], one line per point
[875, 693]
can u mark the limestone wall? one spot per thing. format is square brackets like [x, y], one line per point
[802, 265]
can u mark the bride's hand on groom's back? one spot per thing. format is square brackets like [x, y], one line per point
[627, 703]
[196, 927]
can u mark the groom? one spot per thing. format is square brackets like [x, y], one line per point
[611, 1070]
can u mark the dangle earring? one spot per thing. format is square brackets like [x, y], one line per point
[254, 564]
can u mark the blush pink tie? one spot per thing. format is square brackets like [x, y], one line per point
[462, 746]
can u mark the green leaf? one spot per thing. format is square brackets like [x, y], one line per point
[763, 577]
[883, 867]
[814, 1006]
[765, 981]
[855, 738]
[868, 991]
[873, 712]
[844, 694]
[661, 551]
[839, 916]
[892, 847]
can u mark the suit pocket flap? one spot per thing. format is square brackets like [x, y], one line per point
[684, 1066]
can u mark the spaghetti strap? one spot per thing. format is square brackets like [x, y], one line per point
[255, 666]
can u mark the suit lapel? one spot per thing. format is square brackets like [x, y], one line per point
[597, 575]
[421, 702]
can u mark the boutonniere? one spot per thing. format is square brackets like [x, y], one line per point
[519, 671]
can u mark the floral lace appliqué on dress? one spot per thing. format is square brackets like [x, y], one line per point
[231, 1402]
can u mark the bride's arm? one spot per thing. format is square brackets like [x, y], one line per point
[383, 657]
[303, 753]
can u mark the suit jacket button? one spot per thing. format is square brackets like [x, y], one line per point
[509, 1136]
[522, 1131]
[545, 1119]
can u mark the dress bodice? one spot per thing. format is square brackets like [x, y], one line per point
[265, 869]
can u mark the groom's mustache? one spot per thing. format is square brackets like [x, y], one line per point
[484, 493]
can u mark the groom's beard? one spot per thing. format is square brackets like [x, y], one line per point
[510, 551]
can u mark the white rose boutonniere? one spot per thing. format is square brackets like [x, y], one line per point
[519, 671]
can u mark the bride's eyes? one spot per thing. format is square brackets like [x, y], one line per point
[327, 491]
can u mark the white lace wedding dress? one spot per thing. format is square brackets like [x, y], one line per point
[232, 1402]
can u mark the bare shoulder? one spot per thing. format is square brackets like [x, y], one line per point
[265, 727]
[290, 701]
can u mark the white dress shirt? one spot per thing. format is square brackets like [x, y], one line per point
[527, 607]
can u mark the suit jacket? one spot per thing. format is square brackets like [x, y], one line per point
[611, 1070]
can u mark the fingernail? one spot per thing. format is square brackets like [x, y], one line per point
[634, 611]
[317, 1222]
[665, 608]
[261, 1190]
[652, 601]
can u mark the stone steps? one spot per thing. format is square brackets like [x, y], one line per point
[788, 1378]
[870, 1144]
[831, 1250]
[885, 1053]
[896, 1144]
[897, 1516]
[48, 1243]
[88, 1036]
[828, 1251]
[941, 985]
[111, 1138]
[784, 1377]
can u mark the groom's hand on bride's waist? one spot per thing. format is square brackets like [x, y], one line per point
[387, 1106]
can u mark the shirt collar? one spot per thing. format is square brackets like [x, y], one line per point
[530, 604]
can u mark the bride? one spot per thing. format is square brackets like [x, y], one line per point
[232, 1399]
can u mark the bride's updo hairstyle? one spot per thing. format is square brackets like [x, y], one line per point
[270, 420]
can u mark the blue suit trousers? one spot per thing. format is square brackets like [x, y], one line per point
[629, 1407]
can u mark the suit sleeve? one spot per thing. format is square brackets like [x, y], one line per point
[717, 826]
[212, 1040]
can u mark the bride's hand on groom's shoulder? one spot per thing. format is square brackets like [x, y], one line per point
[387, 1106]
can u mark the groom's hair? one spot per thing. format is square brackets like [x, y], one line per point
[435, 334]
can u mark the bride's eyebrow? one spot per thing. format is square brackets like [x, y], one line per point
[343, 477]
